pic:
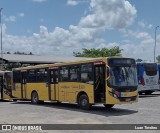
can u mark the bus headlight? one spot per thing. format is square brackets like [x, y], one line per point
[113, 94]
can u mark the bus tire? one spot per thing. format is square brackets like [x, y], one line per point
[148, 92]
[84, 102]
[14, 100]
[108, 106]
[34, 98]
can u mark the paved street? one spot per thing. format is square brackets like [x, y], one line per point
[146, 111]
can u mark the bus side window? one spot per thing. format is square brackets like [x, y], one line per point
[31, 76]
[74, 73]
[16, 77]
[86, 73]
[64, 74]
[42, 75]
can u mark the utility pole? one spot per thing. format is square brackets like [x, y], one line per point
[155, 42]
[1, 38]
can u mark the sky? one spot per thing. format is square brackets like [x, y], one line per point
[61, 27]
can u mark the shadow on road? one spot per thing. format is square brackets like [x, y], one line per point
[98, 109]
[147, 96]
[1, 100]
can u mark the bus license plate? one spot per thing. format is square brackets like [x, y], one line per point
[128, 99]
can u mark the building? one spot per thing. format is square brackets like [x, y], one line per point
[15, 60]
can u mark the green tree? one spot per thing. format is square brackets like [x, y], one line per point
[23, 53]
[139, 60]
[104, 52]
[158, 58]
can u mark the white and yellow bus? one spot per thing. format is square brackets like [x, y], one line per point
[105, 81]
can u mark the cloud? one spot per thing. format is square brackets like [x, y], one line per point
[58, 42]
[76, 2]
[109, 14]
[140, 45]
[72, 2]
[21, 14]
[88, 34]
[10, 18]
[145, 25]
[63, 42]
[39, 1]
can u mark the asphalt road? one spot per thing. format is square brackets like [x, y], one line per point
[146, 111]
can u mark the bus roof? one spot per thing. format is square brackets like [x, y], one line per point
[104, 59]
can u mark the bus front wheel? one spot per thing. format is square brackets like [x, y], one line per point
[35, 98]
[108, 106]
[84, 102]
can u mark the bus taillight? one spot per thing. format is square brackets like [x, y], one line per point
[142, 81]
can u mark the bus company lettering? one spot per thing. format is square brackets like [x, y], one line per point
[65, 87]
[81, 86]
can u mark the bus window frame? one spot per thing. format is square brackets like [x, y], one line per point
[92, 72]
[53, 75]
[60, 75]
[42, 78]
[28, 76]
[15, 76]
[77, 66]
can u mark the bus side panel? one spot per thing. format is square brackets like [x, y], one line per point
[68, 91]
[40, 88]
[57, 91]
[16, 92]
[53, 92]
[143, 88]
[6, 96]
[89, 89]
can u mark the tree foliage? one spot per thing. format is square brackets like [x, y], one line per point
[104, 52]
[23, 53]
[139, 60]
[158, 58]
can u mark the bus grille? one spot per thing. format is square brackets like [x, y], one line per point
[127, 99]
[126, 89]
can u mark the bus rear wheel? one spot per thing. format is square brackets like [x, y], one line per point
[108, 106]
[84, 102]
[35, 98]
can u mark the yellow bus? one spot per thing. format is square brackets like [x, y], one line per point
[107, 81]
[5, 85]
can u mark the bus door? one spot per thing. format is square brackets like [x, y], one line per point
[23, 83]
[53, 83]
[99, 82]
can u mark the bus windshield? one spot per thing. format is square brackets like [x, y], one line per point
[123, 76]
[150, 69]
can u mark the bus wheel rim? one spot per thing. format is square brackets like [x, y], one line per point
[34, 97]
[84, 102]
